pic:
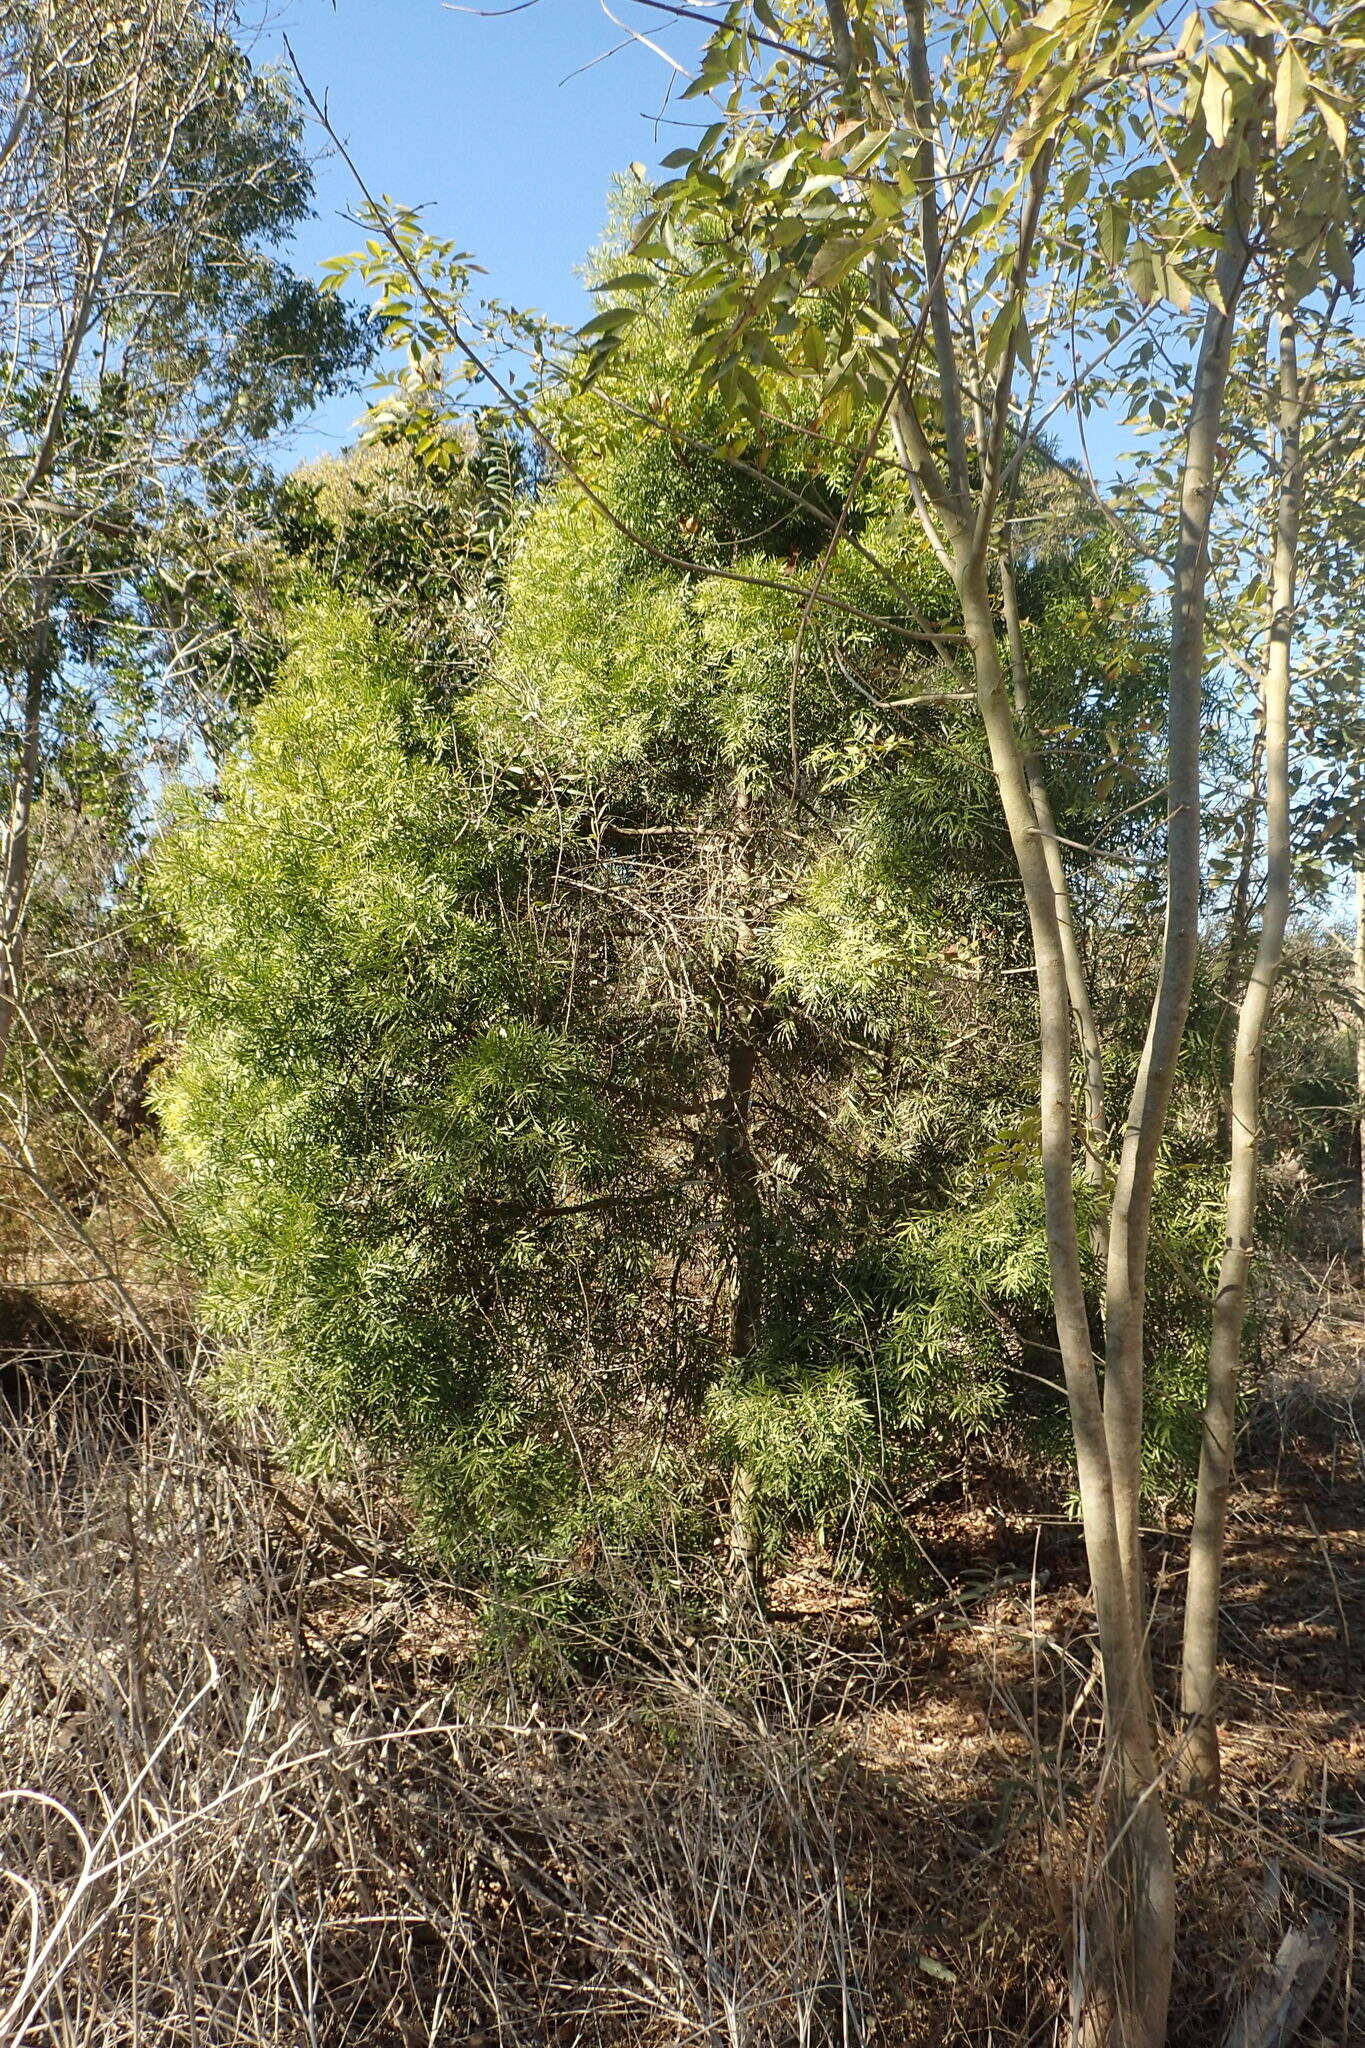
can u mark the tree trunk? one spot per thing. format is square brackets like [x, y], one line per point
[1239, 925]
[739, 1172]
[1131, 1210]
[1199, 1758]
[14, 877]
[1096, 1129]
[1127, 1977]
[1360, 1032]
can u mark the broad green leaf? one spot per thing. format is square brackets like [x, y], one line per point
[1191, 35]
[1075, 187]
[1113, 234]
[1142, 273]
[1332, 118]
[868, 149]
[834, 259]
[997, 339]
[1291, 93]
[1216, 100]
[1243, 14]
[1339, 259]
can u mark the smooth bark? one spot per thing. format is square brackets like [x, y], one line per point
[740, 1173]
[1124, 1992]
[1200, 1758]
[738, 1167]
[1127, 1990]
[1131, 1209]
[1095, 1127]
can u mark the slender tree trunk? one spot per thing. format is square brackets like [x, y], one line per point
[1239, 918]
[1095, 1127]
[1127, 1983]
[1131, 1210]
[739, 1171]
[17, 861]
[1198, 1677]
[1360, 1030]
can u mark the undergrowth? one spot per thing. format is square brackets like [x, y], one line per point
[266, 1784]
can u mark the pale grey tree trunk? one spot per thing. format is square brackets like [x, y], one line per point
[1128, 1975]
[1131, 1209]
[1199, 1755]
[740, 1172]
[1095, 1127]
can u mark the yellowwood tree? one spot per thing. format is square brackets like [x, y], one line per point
[944, 224]
[951, 213]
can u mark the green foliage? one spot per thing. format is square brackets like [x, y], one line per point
[377, 1118]
[606, 1043]
[973, 1348]
[809, 1447]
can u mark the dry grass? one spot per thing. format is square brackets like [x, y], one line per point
[242, 1807]
[260, 1793]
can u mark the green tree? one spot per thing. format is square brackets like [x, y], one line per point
[860, 158]
[399, 1166]
[154, 340]
[756, 862]
[155, 343]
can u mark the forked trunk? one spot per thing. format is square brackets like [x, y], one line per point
[1125, 1972]
[1199, 1753]
[1130, 1213]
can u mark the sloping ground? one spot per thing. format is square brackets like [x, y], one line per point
[270, 1785]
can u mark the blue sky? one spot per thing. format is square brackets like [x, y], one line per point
[480, 121]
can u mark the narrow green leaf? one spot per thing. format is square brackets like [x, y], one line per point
[611, 322]
[868, 149]
[932, 1967]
